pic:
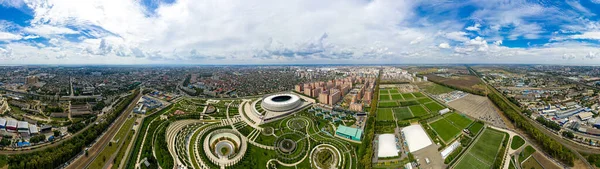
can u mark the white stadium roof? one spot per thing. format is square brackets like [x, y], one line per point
[415, 137]
[387, 146]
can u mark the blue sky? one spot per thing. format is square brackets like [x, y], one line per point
[299, 32]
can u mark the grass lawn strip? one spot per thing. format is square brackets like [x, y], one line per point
[407, 96]
[517, 142]
[397, 97]
[434, 107]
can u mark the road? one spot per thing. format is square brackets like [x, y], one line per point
[568, 144]
[94, 151]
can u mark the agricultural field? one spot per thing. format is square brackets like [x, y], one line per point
[483, 152]
[385, 114]
[402, 113]
[464, 82]
[434, 88]
[418, 110]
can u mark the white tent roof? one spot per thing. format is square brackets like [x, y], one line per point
[449, 149]
[415, 137]
[387, 146]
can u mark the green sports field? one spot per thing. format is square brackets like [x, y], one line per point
[407, 96]
[418, 94]
[385, 114]
[397, 97]
[483, 152]
[384, 97]
[418, 110]
[424, 100]
[388, 104]
[460, 121]
[402, 113]
[434, 107]
[394, 91]
[445, 129]
[475, 128]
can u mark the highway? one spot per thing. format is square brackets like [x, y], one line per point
[575, 147]
[94, 151]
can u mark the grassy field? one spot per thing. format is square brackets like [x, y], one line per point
[388, 104]
[516, 142]
[531, 163]
[434, 107]
[424, 100]
[526, 153]
[407, 96]
[393, 91]
[383, 91]
[418, 110]
[397, 97]
[434, 88]
[475, 127]
[384, 97]
[402, 113]
[418, 94]
[458, 120]
[483, 152]
[119, 138]
[445, 129]
[385, 114]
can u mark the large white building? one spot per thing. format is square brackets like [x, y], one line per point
[387, 146]
[415, 137]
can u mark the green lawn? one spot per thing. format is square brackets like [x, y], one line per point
[474, 129]
[394, 91]
[408, 103]
[397, 97]
[531, 163]
[418, 94]
[407, 96]
[527, 151]
[384, 97]
[434, 107]
[445, 129]
[517, 142]
[383, 91]
[460, 121]
[418, 110]
[483, 152]
[402, 113]
[385, 114]
[424, 100]
[388, 104]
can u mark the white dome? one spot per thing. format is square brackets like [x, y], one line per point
[281, 102]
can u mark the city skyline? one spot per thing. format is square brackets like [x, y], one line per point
[298, 32]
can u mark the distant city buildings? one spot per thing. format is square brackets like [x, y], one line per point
[331, 92]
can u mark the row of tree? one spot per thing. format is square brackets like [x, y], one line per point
[548, 123]
[54, 157]
[549, 145]
[366, 148]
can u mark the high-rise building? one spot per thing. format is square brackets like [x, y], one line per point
[298, 88]
[32, 80]
[334, 96]
[324, 97]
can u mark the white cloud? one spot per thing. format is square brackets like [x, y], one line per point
[457, 36]
[594, 35]
[576, 5]
[474, 27]
[48, 30]
[444, 45]
[6, 36]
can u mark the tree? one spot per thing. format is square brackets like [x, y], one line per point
[56, 133]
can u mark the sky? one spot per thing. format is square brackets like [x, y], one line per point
[299, 32]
